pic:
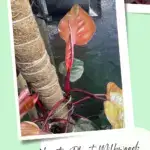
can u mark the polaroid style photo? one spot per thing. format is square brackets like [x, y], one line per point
[71, 67]
[138, 6]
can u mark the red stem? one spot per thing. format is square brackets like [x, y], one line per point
[50, 113]
[47, 128]
[38, 120]
[87, 93]
[69, 58]
[67, 83]
[100, 94]
[81, 100]
[68, 119]
[41, 107]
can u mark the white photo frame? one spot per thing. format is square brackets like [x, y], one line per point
[138, 8]
[137, 138]
[125, 73]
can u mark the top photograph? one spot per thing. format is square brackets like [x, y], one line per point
[71, 66]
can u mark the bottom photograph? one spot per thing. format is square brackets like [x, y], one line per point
[68, 64]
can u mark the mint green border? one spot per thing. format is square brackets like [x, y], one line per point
[139, 52]
[139, 55]
[8, 124]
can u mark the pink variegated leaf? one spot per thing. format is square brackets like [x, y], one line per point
[24, 93]
[27, 104]
[81, 23]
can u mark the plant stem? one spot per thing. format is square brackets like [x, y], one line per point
[95, 96]
[100, 95]
[85, 92]
[41, 107]
[81, 100]
[38, 120]
[50, 113]
[68, 119]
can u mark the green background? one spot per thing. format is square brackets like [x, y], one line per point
[139, 53]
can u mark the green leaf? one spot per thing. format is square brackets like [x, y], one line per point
[76, 71]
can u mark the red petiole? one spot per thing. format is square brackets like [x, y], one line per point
[54, 108]
[69, 58]
[42, 108]
[95, 96]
